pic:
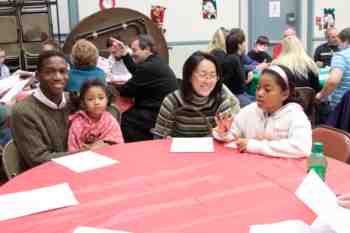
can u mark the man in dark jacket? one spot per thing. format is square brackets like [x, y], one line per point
[152, 79]
[323, 53]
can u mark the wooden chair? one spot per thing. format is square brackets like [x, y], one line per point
[336, 142]
[11, 160]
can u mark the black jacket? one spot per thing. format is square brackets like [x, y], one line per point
[233, 73]
[151, 81]
[324, 53]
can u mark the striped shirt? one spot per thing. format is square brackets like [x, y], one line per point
[341, 60]
[178, 118]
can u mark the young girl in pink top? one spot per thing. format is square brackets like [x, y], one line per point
[93, 126]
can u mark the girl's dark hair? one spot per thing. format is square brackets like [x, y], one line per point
[94, 83]
[189, 67]
[293, 95]
[234, 39]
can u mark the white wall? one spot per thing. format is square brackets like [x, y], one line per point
[183, 20]
[341, 17]
[63, 17]
[341, 13]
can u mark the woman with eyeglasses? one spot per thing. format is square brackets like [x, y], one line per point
[191, 110]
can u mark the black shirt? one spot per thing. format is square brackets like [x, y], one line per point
[324, 53]
[259, 57]
[233, 73]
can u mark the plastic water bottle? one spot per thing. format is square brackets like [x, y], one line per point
[317, 160]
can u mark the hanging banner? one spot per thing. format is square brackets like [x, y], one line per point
[209, 9]
[106, 4]
[157, 16]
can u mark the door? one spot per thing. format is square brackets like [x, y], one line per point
[271, 18]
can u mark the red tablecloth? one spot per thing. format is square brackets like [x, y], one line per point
[155, 191]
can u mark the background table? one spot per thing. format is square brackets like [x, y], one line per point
[155, 191]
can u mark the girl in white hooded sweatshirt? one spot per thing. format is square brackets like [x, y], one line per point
[275, 125]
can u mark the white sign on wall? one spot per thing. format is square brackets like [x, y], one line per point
[274, 9]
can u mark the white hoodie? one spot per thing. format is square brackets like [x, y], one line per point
[285, 133]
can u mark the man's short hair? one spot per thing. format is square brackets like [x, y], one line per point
[263, 40]
[146, 41]
[54, 44]
[45, 55]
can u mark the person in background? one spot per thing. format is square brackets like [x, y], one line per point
[258, 53]
[217, 46]
[84, 58]
[190, 111]
[50, 45]
[233, 71]
[40, 121]
[4, 70]
[117, 71]
[324, 52]
[276, 51]
[303, 67]
[339, 78]
[152, 79]
[275, 125]
[93, 127]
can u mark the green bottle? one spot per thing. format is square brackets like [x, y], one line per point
[317, 160]
[254, 83]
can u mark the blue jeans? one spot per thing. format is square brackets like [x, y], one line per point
[5, 136]
[245, 99]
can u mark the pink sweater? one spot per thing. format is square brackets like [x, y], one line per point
[83, 130]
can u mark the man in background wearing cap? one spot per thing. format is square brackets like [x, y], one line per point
[258, 53]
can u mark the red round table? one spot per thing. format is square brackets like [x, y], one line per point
[155, 191]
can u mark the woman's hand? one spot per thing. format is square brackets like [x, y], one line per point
[224, 122]
[242, 144]
[98, 144]
[344, 200]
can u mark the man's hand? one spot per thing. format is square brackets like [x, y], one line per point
[120, 46]
[223, 122]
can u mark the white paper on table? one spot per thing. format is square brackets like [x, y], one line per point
[319, 226]
[204, 144]
[14, 91]
[85, 161]
[318, 197]
[232, 145]
[96, 230]
[291, 226]
[120, 77]
[7, 83]
[20, 204]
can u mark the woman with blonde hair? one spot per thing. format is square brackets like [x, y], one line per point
[84, 59]
[218, 40]
[303, 67]
[217, 46]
